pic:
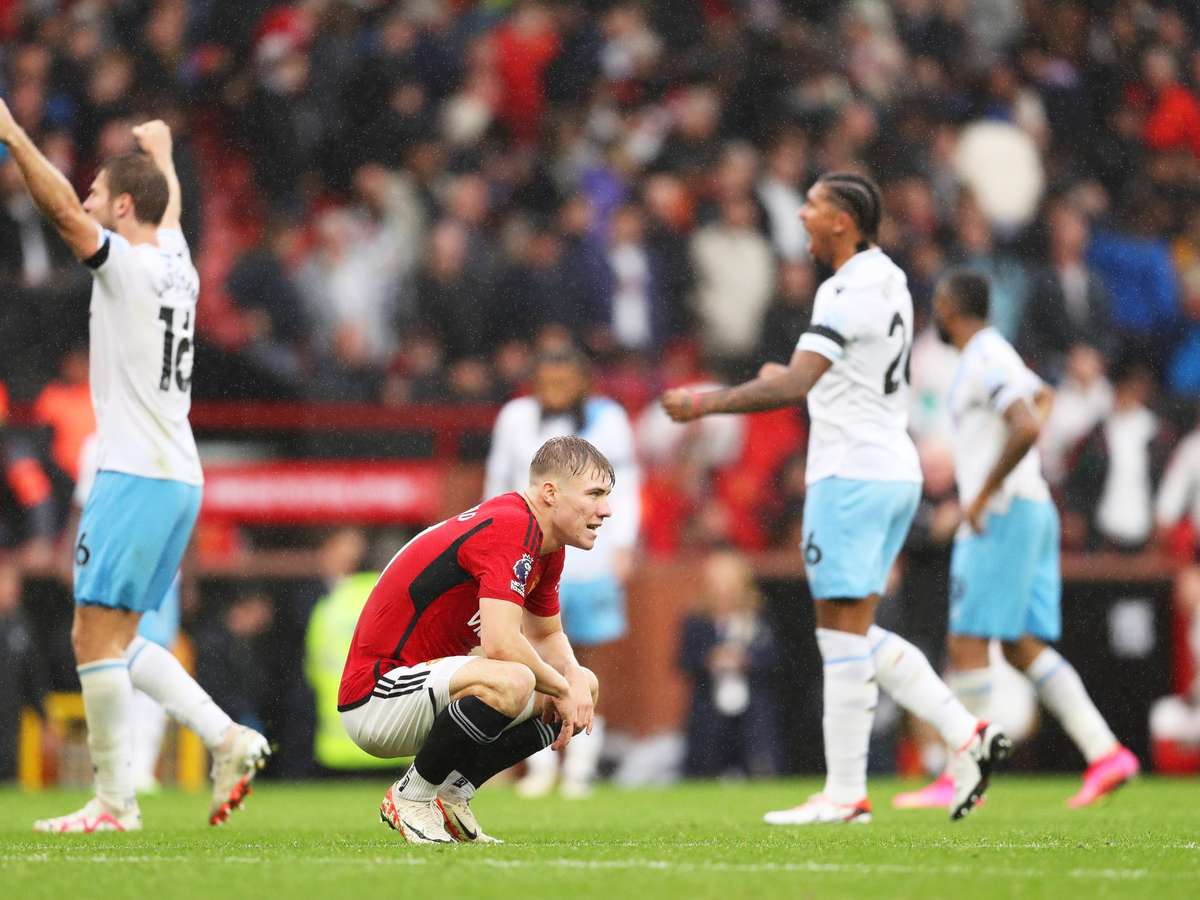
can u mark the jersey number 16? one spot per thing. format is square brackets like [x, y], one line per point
[177, 362]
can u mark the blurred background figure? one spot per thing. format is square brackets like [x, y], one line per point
[1111, 486]
[592, 590]
[230, 658]
[730, 656]
[23, 677]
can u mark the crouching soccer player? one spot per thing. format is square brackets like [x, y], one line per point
[487, 578]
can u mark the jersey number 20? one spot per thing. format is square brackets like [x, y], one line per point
[890, 384]
[175, 352]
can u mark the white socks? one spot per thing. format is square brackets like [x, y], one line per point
[850, 700]
[107, 704]
[148, 724]
[1062, 692]
[154, 670]
[582, 756]
[905, 673]
[973, 688]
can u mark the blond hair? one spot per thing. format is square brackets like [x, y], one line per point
[571, 456]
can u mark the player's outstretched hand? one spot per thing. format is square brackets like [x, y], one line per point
[154, 138]
[8, 125]
[681, 404]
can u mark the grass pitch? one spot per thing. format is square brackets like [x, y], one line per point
[700, 840]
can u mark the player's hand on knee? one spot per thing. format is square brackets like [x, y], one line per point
[565, 713]
[582, 696]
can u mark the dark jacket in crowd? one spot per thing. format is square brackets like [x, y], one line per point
[717, 742]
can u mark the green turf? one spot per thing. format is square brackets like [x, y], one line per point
[300, 841]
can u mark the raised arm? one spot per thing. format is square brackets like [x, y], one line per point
[50, 190]
[154, 139]
[775, 387]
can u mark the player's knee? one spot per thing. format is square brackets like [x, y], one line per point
[87, 644]
[513, 687]
[965, 653]
[1022, 652]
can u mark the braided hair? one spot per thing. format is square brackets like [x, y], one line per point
[861, 198]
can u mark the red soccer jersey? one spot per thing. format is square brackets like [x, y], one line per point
[426, 603]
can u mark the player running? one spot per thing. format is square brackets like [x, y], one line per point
[864, 483]
[1005, 581]
[140, 512]
[487, 581]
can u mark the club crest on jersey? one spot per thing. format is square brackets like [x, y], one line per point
[521, 569]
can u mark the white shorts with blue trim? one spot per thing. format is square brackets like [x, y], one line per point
[132, 537]
[853, 532]
[593, 612]
[1006, 582]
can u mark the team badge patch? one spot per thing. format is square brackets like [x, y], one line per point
[521, 569]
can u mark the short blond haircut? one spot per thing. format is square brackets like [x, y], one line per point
[572, 456]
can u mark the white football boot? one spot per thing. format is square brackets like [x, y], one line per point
[820, 810]
[461, 823]
[235, 763]
[418, 821]
[971, 767]
[95, 816]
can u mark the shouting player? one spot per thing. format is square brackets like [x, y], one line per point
[485, 579]
[1005, 581]
[141, 509]
[864, 483]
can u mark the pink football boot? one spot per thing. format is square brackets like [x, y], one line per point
[1105, 775]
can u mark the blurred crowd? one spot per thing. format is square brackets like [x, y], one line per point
[405, 202]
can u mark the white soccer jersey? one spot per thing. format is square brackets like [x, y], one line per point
[143, 318]
[521, 429]
[863, 323]
[990, 378]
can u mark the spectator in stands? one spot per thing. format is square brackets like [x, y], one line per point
[1178, 498]
[1082, 399]
[262, 286]
[23, 679]
[729, 653]
[780, 190]
[735, 278]
[1007, 275]
[1068, 303]
[65, 407]
[789, 312]
[1183, 371]
[632, 315]
[1112, 482]
[451, 302]
[668, 226]
[1134, 262]
[230, 662]
[28, 517]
